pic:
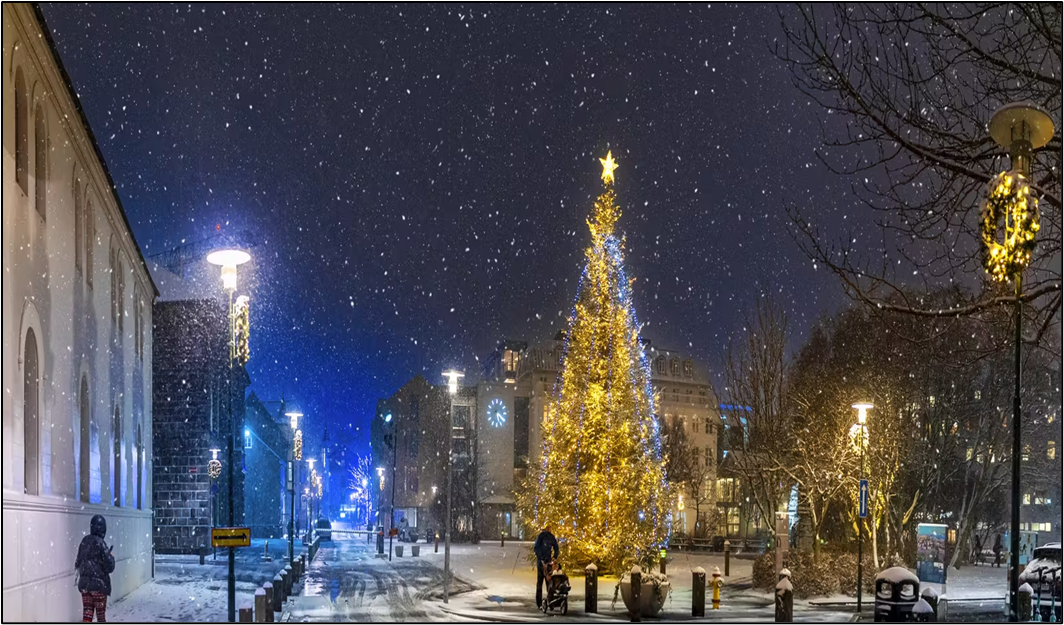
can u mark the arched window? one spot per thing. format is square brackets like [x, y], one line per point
[22, 164]
[85, 427]
[117, 435]
[30, 414]
[40, 159]
[79, 226]
[660, 364]
[140, 466]
[113, 269]
[90, 239]
[675, 367]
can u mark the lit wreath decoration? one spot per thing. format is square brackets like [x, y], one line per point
[297, 445]
[1008, 199]
[214, 469]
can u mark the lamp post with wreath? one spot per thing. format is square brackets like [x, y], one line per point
[1009, 228]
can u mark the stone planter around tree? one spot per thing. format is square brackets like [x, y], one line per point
[651, 599]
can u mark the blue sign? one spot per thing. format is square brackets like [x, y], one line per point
[863, 506]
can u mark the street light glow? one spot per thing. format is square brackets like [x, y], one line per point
[214, 453]
[293, 418]
[228, 261]
[388, 418]
[862, 411]
[452, 380]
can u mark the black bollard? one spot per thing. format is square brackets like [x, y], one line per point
[437, 550]
[698, 592]
[271, 604]
[502, 539]
[637, 587]
[380, 543]
[931, 598]
[591, 589]
[727, 558]
[246, 615]
[1025, 602]
[784, 601]
[662, 561]
[278, 592]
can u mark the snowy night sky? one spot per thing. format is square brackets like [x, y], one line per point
[417, 177]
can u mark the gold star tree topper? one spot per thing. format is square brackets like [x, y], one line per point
[608, 165]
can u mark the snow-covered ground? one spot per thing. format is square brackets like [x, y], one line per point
[186, 591]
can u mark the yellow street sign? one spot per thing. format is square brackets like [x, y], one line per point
[230, 536]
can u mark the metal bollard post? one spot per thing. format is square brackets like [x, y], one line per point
[661, 561]
[591, 588]
[931, 597]
[260, 606]
[637, 587]
[270, 601]
[245, 615]
[437, 542]
[717, 584]
[502, 539]
[698, 592]
[1024, 597]
[202, 556]
[278, 592]
[286, 586]
[922, 612]
[303, 563]
[784, 601]
[727, 558]
[289, 580]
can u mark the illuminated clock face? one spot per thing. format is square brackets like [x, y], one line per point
[496, 413]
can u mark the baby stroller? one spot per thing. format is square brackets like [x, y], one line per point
[557, 589]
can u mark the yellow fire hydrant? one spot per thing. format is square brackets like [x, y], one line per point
[716, 584]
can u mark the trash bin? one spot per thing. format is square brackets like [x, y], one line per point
[398, 551]
[897, 591]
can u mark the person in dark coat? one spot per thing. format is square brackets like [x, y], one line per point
[997, 550]
[546, 549]
[94, 566]
[977, 550]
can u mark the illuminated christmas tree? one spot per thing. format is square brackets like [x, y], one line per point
[602, 486]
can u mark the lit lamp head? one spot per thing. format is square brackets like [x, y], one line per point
[365, 482]
[293, 418]
[452, 380]
[228, 261]
[388, 418]
[310, 463]
[862, 411]
[214, 453]
[1021, 127]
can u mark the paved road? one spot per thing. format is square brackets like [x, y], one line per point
[347, 583]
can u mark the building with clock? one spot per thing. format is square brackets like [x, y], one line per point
[495, 430]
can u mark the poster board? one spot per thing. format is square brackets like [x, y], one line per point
[931, 553]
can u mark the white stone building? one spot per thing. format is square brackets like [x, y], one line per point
[77, 349]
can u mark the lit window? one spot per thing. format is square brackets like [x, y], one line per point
[978, 395]
[1051, 450]
[1027, 499]
[931, 400]
[1026, 453]
[247, 439]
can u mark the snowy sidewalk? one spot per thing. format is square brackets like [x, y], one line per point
[186, 591]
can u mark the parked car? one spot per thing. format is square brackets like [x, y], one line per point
[324, 529]
[1045, 564]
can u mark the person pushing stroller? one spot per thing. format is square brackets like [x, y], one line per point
[546, 550]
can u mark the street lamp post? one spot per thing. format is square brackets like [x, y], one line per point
[862, 417]
[293, 416]
[390, 440]
[1021, 128]
[452, 388]
[228, 260]
[310, 497]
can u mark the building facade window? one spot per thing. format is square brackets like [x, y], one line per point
[85, 427]
[22, 163]
[659, 364]
[30, 414]
[140, 466]
[709, 425]
[688, 369]
[674, 367]
[247, 439]
[79, 227]
[116, 430]
[40, 160]
[90, 239]
[1051, 450]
